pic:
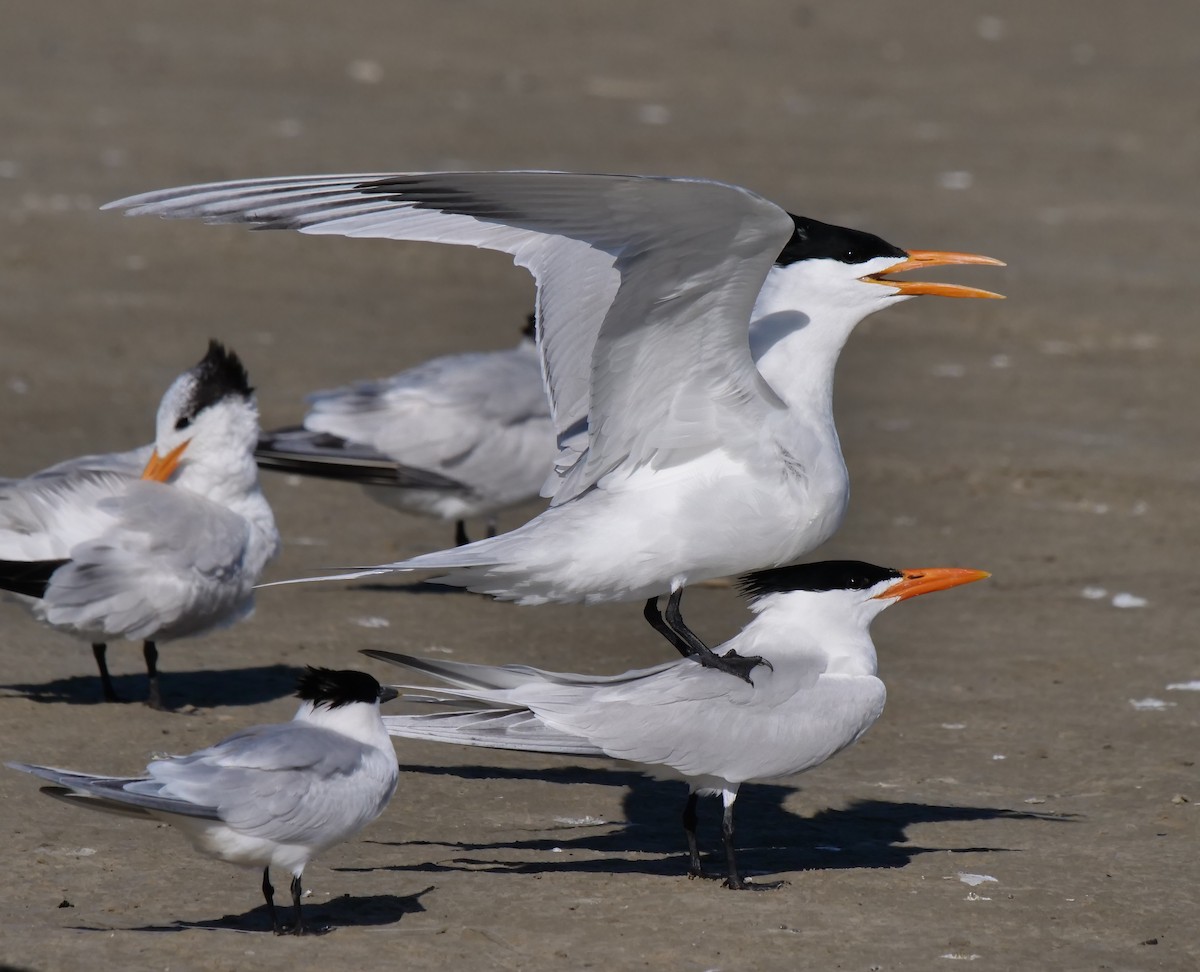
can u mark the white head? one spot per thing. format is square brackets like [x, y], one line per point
[825, 280]
[207, 425]
[840, 598]
[344, 701]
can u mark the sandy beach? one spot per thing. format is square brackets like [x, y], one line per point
[1029, 799]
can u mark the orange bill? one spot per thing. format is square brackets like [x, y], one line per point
[925, 580]
[923, 259]
[159, 468]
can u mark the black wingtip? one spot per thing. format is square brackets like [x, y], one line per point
[28, 577]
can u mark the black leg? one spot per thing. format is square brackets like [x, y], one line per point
[674, 620]
[734, 880]
[299, 928]
[154, 699]
[695, 869]
[100, 650]
[460, 533]
[654, 616]
[269, 894]
[731, 662]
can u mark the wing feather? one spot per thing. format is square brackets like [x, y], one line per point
[638, 277]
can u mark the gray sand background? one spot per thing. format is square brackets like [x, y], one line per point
[1049, 439]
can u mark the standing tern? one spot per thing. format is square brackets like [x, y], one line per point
[681, 720]
[683, 456]
[459, 436]
[269, 796]
[97, 551]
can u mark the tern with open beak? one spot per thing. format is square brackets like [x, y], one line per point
[690, 445]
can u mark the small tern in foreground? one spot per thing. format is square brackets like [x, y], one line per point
[682, 720]
[684, 454]
[269, 796]
[97, 551]
[459, 436]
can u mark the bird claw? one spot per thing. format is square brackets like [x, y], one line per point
[731, 663]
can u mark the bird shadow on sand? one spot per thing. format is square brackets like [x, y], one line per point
[201, 689]
[770, 838]
[346, 911]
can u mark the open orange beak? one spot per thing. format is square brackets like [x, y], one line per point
[159, 468]
[926, 580]
[922, 259]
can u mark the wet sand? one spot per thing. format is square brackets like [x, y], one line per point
[1049, 439]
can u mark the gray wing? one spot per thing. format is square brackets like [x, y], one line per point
[43, 516]
[638, 278]
[678, 714]
[124, 794]
[170, 561]
[479, 419]
[276, 781]
[523, 708]
[490, 728]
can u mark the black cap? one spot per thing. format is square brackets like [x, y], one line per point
[826, 575]
[325, 686]
[814, 240]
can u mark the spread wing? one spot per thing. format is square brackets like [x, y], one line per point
[168, 557]
[645, 287]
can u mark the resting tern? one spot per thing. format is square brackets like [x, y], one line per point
[683, 455]
[460, 436]
[97, 551]
[269, 796]
[681, 720]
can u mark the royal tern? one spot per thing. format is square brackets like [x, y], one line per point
[680, 720]
[97, 551]
[268, 796]
[460, 436]
[682, 457]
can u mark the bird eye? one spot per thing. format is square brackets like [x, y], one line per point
[183, 423]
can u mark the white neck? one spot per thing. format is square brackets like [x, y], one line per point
[795, 340]
[833, 625]
[358, 720]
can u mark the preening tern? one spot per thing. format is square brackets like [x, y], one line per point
[99, 552]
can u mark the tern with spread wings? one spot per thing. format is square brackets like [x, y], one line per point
[683, 454]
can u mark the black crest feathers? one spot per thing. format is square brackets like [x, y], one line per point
[827, 575]
[219, 374]
[330, 688]
[814, 240]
